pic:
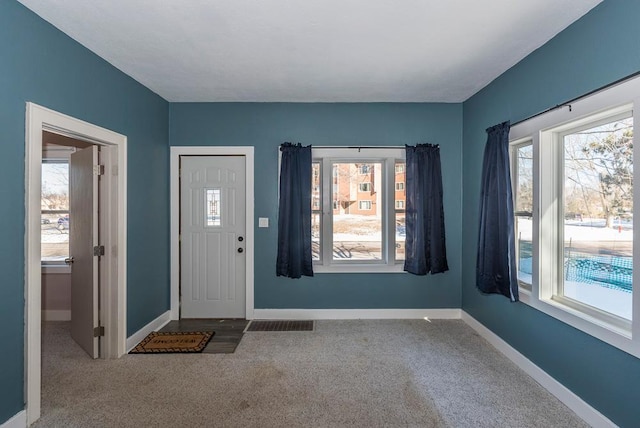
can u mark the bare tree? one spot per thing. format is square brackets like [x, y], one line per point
[599, 171]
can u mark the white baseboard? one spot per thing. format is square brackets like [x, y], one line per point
[562, 393]
[19, 420]
[56, 315]
[354, 314]
[154, 325]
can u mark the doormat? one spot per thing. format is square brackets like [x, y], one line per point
[173, 342]
[280, 326]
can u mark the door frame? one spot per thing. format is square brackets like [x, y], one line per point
[114, 275]
[174, 167]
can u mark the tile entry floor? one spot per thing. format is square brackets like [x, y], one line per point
[228, 332]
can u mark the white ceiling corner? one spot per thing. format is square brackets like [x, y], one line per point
[312, 50]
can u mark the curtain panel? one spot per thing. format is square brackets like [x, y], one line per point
[294, 257]
[496, 266]
[425, 249]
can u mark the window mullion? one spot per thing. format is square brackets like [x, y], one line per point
[389, 218]
[548, 221]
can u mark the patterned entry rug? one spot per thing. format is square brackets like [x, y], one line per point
[173, 342]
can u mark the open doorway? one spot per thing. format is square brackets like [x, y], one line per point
[55, 225]
[113, 293]
[72, 181]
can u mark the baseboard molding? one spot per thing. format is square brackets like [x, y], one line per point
[19, 420]
[561, 392]
[154, 325]
[56, 315]
[354, 314]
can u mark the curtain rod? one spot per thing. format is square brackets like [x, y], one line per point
[357, 147]
[573, 100]
[364, 147]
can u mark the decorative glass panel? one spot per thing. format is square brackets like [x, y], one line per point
[212, 207]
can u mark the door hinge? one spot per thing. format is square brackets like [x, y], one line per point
[98, 331]
[98, 250]
[98, 170]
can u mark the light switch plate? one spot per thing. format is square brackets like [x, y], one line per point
[263, 222]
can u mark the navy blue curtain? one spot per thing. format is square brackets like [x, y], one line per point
[294, 214]
[496, 264]
[425, 249]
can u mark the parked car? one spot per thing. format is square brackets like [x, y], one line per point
[44, 220]
[63, 223]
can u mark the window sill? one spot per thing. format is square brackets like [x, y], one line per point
[597, 327]
[363, 268]
[50, 269]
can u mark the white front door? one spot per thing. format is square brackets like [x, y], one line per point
[83, 236]
[212, 237]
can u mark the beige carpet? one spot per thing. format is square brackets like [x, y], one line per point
[345, 373]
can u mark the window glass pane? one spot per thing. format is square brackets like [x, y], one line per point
[524, 209]
[357, 223]
[598, 214]
[400, 197]
[364, 187]
[316, 211]
[54, 204]
[212, 207]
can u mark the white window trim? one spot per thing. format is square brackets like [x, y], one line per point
[606, 103]
[361, 155]
[367, 202]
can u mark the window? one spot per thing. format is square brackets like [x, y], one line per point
[54, 221]
[352, 231]
[399, 186]
[596, 213]
[364, 187]
[316, 209]
[573, 187]
[522, 185]
[400, 212]
[364, 205]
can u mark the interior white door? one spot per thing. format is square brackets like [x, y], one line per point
[83, 236]
[212, 231]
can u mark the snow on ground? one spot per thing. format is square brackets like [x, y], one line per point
[54, 236]
[586, 230]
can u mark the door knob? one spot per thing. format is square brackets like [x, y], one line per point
[240, 238]
[68, 260]
[240, 250]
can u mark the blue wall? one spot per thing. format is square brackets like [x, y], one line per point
[267, 125]
[600, 48]
[40, 64]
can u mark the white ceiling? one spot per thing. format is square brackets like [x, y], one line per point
[312, 50]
